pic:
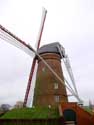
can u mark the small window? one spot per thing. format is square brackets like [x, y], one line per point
[43, 69]
[57, 98]
[55, 85]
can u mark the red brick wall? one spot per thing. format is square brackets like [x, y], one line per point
[83, 117]
[44, 91]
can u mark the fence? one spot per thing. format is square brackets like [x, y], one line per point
[57, 121]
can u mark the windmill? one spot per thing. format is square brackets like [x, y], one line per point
[49, 58]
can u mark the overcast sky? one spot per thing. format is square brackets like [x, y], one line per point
[70, 22]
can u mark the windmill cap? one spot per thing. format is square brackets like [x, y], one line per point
[52, 48]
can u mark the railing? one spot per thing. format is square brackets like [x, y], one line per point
[55, 121]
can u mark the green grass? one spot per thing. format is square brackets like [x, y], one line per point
[32, 113]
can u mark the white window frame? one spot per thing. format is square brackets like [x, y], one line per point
[43, 69]
[55, 85]
[57, 98]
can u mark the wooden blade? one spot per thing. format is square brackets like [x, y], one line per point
[44, 12]
[34, 60]
[29, 82]
[14, 40]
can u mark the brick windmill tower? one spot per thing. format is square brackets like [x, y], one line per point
[48, 89]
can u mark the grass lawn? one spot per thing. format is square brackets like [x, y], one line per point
[32, 113]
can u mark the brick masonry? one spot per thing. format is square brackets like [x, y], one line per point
[46, 92]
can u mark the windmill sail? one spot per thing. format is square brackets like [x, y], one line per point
[34, 60]
[14, 40]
